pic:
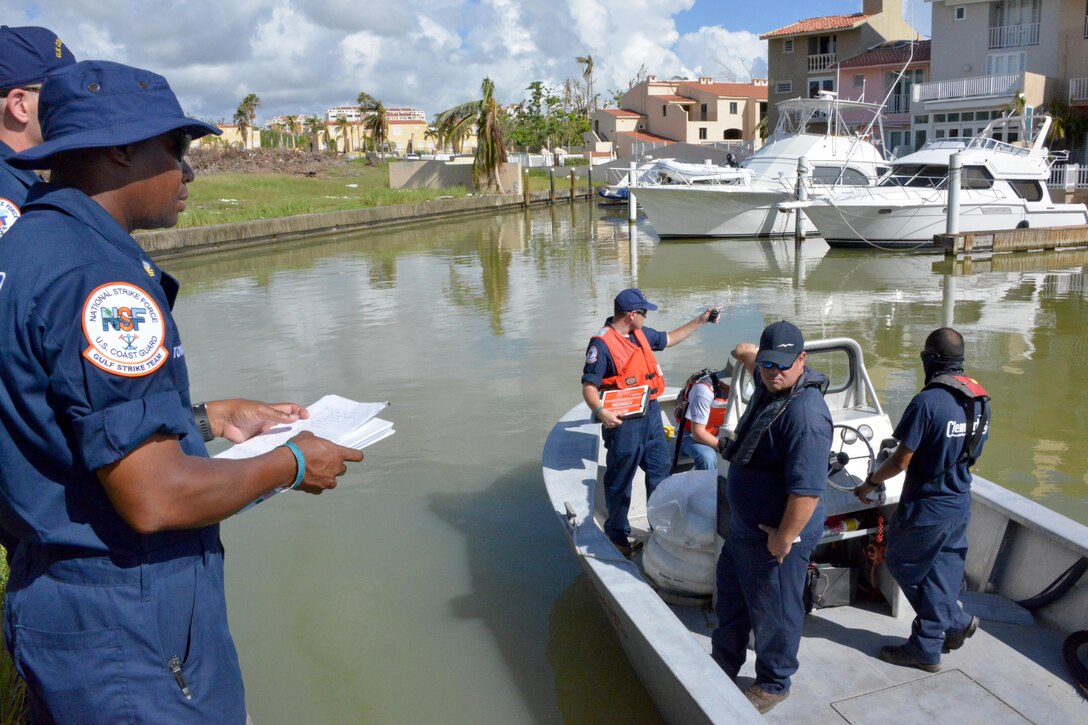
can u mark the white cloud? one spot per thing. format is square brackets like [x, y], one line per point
[303, 56]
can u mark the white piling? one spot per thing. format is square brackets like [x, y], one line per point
[955, 164]
[632, 204]
[803, 170]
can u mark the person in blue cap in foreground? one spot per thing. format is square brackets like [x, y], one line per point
[621, 355]
[27, 56]
[115, 608]
[777, 472]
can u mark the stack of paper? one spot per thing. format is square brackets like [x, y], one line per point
[342, 421]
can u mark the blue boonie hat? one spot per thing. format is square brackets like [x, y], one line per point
[97, 104]
[632, 299]
[780, 344]
[29, 54]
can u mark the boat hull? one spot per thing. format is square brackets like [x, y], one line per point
[722, 211]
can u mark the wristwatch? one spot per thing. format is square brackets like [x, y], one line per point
[203, 423]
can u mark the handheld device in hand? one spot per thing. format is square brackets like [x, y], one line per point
[714, 315]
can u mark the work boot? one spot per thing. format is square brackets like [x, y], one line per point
[898, 655]
[632, 547]
[955, 640]
[762, 700]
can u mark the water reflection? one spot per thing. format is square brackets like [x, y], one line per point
[438, 564]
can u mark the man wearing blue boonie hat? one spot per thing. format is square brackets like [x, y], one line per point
[621, 356]
[27, 57]
[115, 609]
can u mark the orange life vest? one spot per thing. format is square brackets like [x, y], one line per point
[635, 364]
[717, 415]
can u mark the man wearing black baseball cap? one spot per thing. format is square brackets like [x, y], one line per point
[115, 608]
[777, 472]
[28, 55]
[621, 356]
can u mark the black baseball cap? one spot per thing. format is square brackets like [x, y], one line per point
[780, 344]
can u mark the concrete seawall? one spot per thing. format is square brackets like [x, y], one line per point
[195, 240]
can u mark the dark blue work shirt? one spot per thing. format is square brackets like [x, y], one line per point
[934, 426]
[790, 458]
[91, 366]
[599, 364]
[14, 184]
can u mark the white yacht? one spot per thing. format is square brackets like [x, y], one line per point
[1003, 186]
[744, 204]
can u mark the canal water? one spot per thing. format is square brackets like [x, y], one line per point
[434, 584]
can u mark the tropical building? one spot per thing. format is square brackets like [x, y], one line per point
[803, 57]
[993, 55]
[235, 136]
[887, 74]
[657, 113]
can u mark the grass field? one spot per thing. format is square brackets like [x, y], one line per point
[236, 197]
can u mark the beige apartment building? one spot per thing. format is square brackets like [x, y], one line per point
[987, 52]
[803, 58]
[657, 113]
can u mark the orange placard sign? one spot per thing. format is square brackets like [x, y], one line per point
[626, 403]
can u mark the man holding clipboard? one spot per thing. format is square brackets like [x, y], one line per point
[621, 382]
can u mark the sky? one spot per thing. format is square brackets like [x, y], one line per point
[304, 56]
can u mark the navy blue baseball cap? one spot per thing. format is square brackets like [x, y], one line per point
[632, 299]
[97, 104]
[780, 344]
[29, 54]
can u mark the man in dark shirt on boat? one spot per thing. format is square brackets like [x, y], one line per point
[940, 436]
[620, 356]
[777, 473]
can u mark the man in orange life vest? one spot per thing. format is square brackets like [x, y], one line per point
[621, 355]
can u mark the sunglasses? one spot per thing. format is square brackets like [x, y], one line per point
[640, 312]
[768, 365]
[181, 141]
[33, 89]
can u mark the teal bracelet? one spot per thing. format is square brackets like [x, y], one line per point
[300, 461]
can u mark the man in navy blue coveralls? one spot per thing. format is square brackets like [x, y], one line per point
[631, 443]
[115, 608]
[27, 56]
[927, 539]
[777, 473]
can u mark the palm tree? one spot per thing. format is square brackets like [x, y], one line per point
[314, 126]
[377, 125]
[367, 102]
[587, 75]
[246, 114]
[343, 127]
[487, 116]
[490, 139]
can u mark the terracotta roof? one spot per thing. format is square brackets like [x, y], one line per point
[404, 122]
[622, 113]
[643, 136]
[672, 98]
[730, 90]
[893, 53]
[816, 25]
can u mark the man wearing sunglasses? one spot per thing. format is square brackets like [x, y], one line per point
[621, 355]
[941, 435]
[777, 472]
[27, 56]
[115, 609]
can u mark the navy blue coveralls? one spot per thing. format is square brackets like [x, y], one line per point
[91, 365]
[755, 592]
[927, 538]
[14, 184]
[636, 443]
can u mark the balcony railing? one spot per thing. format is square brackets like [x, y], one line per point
[980, 87]
[1014, 36]
[898, 103]
[821, 61]
[1078, 90]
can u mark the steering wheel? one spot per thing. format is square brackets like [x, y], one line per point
[847, 445]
